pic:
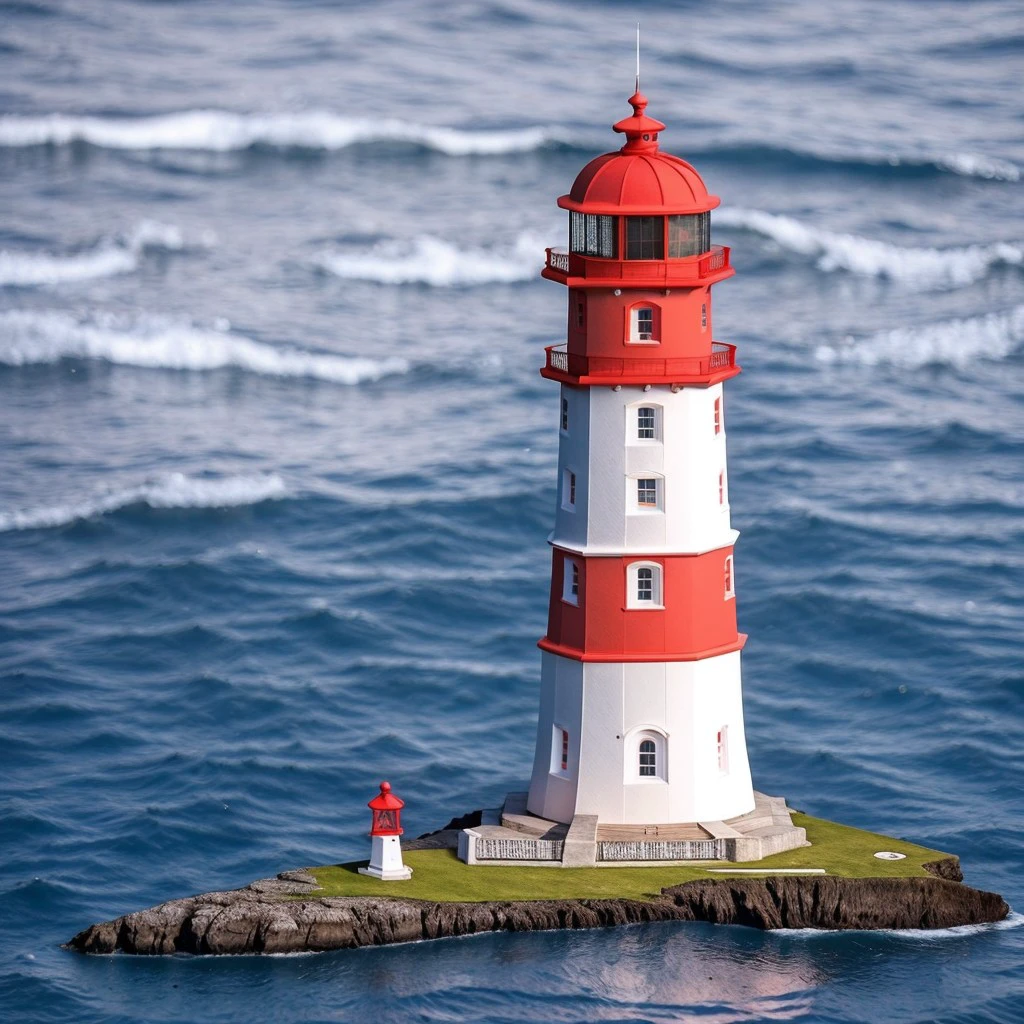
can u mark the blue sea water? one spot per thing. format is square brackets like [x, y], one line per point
[277, 469]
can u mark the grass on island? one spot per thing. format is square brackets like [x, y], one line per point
[438, 875]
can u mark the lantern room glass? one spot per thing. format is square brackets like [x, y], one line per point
[593, 234]
[385, 821]
[645, 238]
[689, 234]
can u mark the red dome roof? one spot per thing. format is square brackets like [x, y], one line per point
[639, 178]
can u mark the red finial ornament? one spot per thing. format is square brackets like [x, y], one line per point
[640, 130]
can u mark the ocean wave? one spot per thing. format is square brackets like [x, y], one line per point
[433, 261]
[949, 342]
[30, 337]
[920, 267]
[225, 131]
[970, 165]
[175, 490]
[108, 258]
[222, 131]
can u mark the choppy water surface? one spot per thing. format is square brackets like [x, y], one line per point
[276, 471]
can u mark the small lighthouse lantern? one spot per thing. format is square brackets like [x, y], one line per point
[385, 844]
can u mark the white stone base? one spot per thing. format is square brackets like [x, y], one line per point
[400, 875]
[386, 860]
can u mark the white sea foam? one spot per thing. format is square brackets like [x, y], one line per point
[222, 131]
[950, 342]
[1013, 920]
[175, 490]
[920, 267]
[974, 165]
[110, 257]
[433, 261]
[28, 337]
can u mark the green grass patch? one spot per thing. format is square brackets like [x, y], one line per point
[438, 875]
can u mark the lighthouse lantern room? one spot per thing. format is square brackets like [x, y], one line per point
[641, 716]
[385, 844]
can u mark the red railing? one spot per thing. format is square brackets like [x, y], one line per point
[722, 357]
[667, 272]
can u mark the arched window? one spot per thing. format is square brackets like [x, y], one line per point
[646, 423]
[648, 759]
[643, 423]
[644, 324]
[644, 586]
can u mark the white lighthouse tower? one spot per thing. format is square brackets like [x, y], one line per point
[641, 712]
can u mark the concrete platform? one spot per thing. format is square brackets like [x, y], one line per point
[527, 840]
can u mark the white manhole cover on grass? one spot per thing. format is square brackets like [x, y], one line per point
[889, 855]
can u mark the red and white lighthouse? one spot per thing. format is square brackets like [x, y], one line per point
[385, 842]
[641, 715]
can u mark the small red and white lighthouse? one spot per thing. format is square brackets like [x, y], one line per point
[641, 716]
[385, 844]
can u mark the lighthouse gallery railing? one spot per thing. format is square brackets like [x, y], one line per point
[558, 359]
[676, 271]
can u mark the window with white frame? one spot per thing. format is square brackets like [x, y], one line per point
[571, 582]
[647, 423]
[718, 415]
[647, 492]
[648, 759]
[730, 582]
[721, 487]
[641, 325]
[565, 415]
[568, 490]
[723, 750]
[646, 756]
[645, 495]
[559, 750]
[643, 583]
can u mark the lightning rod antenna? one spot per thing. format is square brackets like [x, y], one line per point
[638, 56]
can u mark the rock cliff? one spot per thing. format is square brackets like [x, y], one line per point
[267, 916]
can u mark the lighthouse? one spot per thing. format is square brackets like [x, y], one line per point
[385, 842]
[641, 710]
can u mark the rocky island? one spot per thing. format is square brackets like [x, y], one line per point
[830, 884]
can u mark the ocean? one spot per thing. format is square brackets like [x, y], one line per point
[277, 471]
